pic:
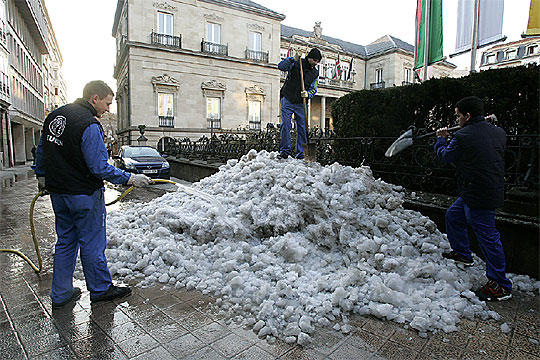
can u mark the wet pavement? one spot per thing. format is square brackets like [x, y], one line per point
[156, 323]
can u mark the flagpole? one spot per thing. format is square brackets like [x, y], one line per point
[474, 44]
[426, 38]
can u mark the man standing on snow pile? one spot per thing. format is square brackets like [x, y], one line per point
[71, 164]
[291, 99]
[477, 150]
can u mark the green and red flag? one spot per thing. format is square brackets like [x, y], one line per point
[435, 41]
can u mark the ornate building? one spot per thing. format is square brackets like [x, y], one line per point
[218, 71]
[515, 53]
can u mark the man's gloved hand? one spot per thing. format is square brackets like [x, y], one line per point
[139, 180]
[297, 56]
[304, 94]
[41, 185]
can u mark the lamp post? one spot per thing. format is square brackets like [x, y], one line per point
[141, 140]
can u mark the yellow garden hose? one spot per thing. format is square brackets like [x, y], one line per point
[32, 229]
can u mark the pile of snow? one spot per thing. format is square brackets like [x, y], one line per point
[288, 246]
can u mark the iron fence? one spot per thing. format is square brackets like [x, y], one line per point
[415, 168]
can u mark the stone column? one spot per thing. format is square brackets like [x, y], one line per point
[323, 112]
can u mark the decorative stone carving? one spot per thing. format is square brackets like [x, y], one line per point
[317, 30]
[213, 88]
[213, 17]
[255, 27]
[255, 90]
[165, 6]
[165, 82]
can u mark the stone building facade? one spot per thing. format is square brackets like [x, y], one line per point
[192, 78]
[515, 53]
[25, 45]
[218, 71]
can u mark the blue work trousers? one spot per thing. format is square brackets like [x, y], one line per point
[287, 109]
[458, 217]
[80, 225]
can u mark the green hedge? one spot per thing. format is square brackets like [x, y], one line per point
[512, 94]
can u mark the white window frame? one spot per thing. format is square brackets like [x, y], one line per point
[379, 75]
[165, 104]
[531, 50]
[255, 41]
[408, 75]
[213, 33]
[511, 54]
[213, 104]
[254, 114]
[491, 58]
[165, 23]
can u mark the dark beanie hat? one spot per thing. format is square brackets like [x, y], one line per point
[315, 54]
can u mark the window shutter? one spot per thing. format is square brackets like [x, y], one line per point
[521, 52]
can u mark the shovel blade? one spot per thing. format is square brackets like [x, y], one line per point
[402, 142]
[310, 152]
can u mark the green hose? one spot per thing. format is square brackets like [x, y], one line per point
[33, 231]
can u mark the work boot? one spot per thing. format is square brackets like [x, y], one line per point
[283, 156]
[74, 296]
[114, 292]
[452, 255]
[493, 291]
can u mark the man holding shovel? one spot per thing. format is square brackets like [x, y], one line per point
[293, 96]
[477, 150]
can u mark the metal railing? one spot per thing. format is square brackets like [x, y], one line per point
[166, 40]
[212, 48]
[4, 84]
[259, 56]
[166, 121]
[212, 123]
[415, 168]
[378, 85]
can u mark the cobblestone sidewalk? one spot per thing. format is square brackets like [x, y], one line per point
[178, 324]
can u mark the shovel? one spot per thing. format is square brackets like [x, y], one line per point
[406, 140]
[310, 149]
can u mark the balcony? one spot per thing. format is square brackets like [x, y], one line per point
[166, 40]
[212, 123]
[3, 37]
[212, 48]
[258, 56]
[4, 85]
[166, 121]
[377, 85]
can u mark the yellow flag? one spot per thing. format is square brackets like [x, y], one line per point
[533, 28]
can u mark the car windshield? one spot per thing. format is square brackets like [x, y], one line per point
[139, 151]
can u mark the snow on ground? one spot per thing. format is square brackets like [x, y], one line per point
[288, 245]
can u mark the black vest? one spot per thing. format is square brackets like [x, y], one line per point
[480, 167]
[292, 87]
[66, 171]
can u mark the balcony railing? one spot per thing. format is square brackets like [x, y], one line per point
[3, 37]
[4, 84]
[259, 56]
[213, 123]
[378, 85]
[212, 48]
[166, 40]
[254, 124]
[166, 121]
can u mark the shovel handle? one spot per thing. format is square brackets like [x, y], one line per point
[303, 98]
[434, 132]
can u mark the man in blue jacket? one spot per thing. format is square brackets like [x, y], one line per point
[71, 164]
[291, 99]
[477, 150]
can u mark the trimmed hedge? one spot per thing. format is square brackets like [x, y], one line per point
[512, 94]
